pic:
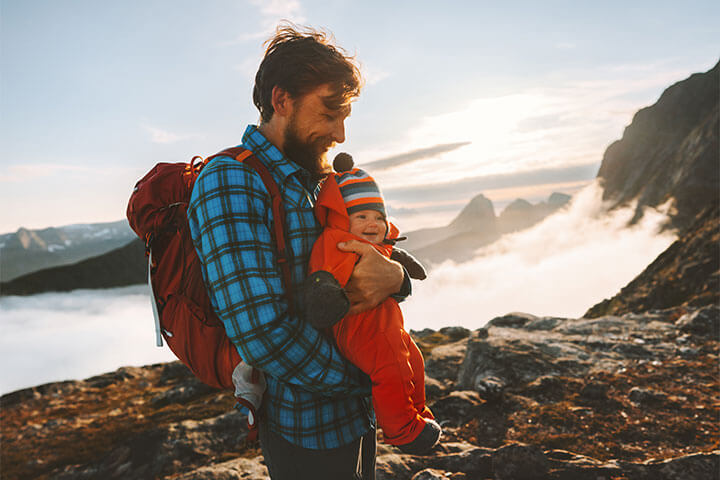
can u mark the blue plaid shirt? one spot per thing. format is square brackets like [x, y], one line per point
[315, 398]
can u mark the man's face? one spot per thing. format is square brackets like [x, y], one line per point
[314, 126]
[368, 224]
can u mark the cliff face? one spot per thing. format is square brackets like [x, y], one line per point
[670, 150]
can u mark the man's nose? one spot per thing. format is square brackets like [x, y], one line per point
[339, 131]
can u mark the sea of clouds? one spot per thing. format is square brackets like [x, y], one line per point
[63, 336]
[560, 267]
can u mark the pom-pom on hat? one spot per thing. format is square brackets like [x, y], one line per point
[358, 189]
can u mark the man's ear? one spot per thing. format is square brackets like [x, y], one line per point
[282, 102]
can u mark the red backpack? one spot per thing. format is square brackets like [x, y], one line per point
[157, 212]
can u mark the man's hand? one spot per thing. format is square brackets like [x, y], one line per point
[374, 278]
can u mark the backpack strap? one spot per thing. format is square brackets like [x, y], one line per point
[242, 154]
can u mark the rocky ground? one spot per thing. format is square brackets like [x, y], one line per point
[631, 397]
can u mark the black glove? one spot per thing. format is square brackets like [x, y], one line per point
[411, 264]
[323, 300]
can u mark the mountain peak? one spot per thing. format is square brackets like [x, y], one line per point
[557, 198]
[519, 204]
[476, 214]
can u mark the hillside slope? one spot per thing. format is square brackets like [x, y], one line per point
[118, 268]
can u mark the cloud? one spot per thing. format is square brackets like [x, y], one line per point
[32, 171]
[412, 156]
[560, 267]
[373, 76]
[271, 13]
[60, 336]
[462, 188]
[158, 135]
[21, 172]
[569, 118]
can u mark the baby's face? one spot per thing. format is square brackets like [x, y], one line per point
[368, 224]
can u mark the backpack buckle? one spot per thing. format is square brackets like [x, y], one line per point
[148, 242]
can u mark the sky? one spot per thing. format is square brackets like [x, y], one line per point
[512, 99]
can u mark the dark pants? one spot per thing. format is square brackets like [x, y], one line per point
[285, 461]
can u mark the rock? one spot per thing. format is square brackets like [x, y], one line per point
[184, 393]
[490, 388]
[392, 466]
[700, 466]
[238, 469]
[520, 462]
[457, 408]
[646, 396]
[119, 375]
[455, 333]
[589, 326]
[476, 462]
[48, 389]
[424, 333]
[632, 350]
[544, 323]
[511, 359]
[164, 450]
[430, 474]
[512, 320]
[703, 322]
[688, 352]
[444, 361]
[570, 466]
[174, 371]
[546, 387]
[434, 388]
[595, 391]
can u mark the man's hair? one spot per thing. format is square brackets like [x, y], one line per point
[298, 60]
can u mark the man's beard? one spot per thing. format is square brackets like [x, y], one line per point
[310, 156]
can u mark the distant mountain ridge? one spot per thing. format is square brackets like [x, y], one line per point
[477, 226]
[26, 250]
[118, 268]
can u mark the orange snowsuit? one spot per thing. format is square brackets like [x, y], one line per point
[374, 340]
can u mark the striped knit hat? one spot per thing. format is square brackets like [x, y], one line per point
[358, 189]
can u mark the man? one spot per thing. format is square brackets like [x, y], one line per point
[316, 421]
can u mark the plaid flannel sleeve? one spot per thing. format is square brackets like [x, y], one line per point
[229, 214]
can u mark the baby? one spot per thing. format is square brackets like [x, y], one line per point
[350, 206]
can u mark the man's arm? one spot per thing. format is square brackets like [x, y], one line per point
[374, 278]
[228, 212]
